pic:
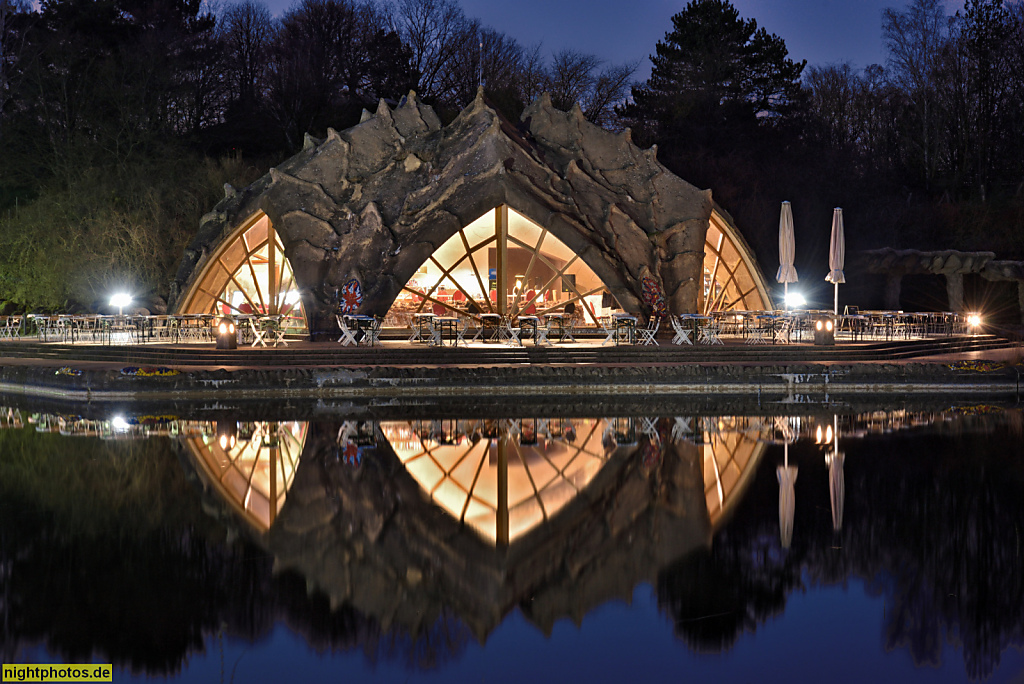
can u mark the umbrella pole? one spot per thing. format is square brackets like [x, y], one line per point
[837, 299]
[785, 296]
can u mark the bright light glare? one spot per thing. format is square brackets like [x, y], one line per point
[120, 300]
[794, 299]
[119, 423]
[974, 320]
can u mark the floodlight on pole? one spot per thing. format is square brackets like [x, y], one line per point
[120, 300]
[794, 300]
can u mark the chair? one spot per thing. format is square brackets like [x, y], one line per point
[543, 332]
[608, 328]
[757, 331]
[373, 332]
[682, 335]
[710, 333]
[646, 335]
[434, 333]
[347, 334]
[784, 331]
[512, 333]
[568, 321]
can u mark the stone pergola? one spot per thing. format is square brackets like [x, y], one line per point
[953, 264]
[1007, 271]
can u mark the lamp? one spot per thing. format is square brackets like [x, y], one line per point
[120, 300]
[824, 331]
[226, 337]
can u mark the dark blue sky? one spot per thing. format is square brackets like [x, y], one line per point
[820, 31]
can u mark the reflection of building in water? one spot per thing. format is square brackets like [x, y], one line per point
[502, 478]
[251, 465]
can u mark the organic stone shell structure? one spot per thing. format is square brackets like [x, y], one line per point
[373, 202]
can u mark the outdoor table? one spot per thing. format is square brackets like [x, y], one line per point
[530, 322]
[556, 320]
[856, 324]
[449, 327]
[362, 325]
[422, 325]
[625, 327]
[491, 321]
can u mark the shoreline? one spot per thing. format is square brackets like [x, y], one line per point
[44, 379]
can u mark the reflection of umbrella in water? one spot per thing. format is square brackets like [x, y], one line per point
[836, 482]
[787, 493]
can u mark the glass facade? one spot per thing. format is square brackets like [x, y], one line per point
[503, 252]
[249, 274]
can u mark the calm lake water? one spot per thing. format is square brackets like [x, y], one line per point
[589, 542]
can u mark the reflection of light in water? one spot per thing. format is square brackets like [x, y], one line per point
[254, 469]
[462, 470]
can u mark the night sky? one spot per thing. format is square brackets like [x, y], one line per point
[820, 31]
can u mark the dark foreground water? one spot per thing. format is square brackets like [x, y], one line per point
[592, 544]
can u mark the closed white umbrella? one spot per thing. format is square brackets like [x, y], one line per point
[836, 254]
[787, 249]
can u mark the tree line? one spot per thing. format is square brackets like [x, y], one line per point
[121, 119]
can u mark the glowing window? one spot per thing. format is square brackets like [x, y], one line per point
[503, 251]
[732, 281]
[249, 274]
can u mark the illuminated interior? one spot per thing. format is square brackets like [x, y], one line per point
[502, 478]
[251, 465]
[249, 274]
[732, 280]
[537, 274]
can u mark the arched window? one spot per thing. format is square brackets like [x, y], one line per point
[504, 263]
[732, 280]
[249, 274]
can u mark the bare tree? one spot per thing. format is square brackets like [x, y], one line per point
[434, 30]
[247, 29]
[915, 39]
[11, 44]
[576, 77]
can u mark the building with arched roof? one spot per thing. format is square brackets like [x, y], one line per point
[399, 213]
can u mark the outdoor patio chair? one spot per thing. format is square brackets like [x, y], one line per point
[347, 334]
[645, 336]
[710, 333]
[373, 333]
[608, 328]
[784, 331]
[463, 330]
[757, 334]
[435, 334]
[543, 332]
[512, 333]
[682, 335]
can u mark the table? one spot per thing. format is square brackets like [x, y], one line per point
[361, 326]
[490, 321]
[449, 327]
[421, 333]
[530, 322]
[625, 327]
